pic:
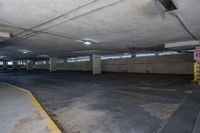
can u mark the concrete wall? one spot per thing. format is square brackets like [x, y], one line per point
[172, 64]
[80, 66]
[83, 66]
[46, 66]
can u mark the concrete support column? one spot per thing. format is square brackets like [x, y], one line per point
[29, 65]
[65, 63]
[133, 55]
[53, 64]
[96, 64]
[4, 64]
[15, 64]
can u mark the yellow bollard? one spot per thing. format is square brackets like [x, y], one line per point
[197, 73]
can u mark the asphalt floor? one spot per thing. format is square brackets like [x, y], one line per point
[114, 102]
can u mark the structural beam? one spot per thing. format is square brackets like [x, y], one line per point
[183, 44]
[96, 64]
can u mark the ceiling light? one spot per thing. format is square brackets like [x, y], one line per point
[24, 51]
[1, 57]
[43, 56]
[4, 35]
[87, 43]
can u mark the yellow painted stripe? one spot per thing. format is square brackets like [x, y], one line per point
[50, 123]
[154, 89]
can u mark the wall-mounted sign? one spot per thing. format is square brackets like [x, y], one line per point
[197, 54]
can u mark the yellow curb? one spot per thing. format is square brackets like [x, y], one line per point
[50, 123]
[154, 89]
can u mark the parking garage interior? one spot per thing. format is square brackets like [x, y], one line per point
[99, 66]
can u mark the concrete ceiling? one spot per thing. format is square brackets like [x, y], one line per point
[61, 26]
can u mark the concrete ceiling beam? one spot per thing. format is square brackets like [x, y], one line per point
[182, 45]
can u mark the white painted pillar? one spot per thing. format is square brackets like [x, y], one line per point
[53, 64]
[15, 64]
[4, 64]
[96, 63]
[29, 65]
[65, 63]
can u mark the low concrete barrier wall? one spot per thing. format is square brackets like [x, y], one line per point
[170, 64]
[173, 64]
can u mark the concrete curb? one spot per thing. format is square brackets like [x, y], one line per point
[50, 123]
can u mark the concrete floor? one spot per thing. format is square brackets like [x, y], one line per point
[114, 102]
[18, 114]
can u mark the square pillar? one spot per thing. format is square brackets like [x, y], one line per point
[29, 65]
[4, 64]
[133, 55]
[15, 64]
[65, 63]
[96, 64]
[53, 64]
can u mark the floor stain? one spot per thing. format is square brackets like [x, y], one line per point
[162, 111]
[29, 123]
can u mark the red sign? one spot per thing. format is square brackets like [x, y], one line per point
[197, 54]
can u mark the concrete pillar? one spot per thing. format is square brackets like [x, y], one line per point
[4, 64]
[29, 65]
[96, 64]
[133, 55]
[15, 64]
[65, 63]
[53, 64]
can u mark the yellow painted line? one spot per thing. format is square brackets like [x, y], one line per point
[50, 123]
[147, 88]
[154, 89]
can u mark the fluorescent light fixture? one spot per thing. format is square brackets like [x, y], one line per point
[87, 43]
[4, 35]
[24, 51]
[191, 50]
[182, 44]
[1, 57]
[44, 56]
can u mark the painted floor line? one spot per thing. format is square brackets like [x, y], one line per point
[50, 123]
